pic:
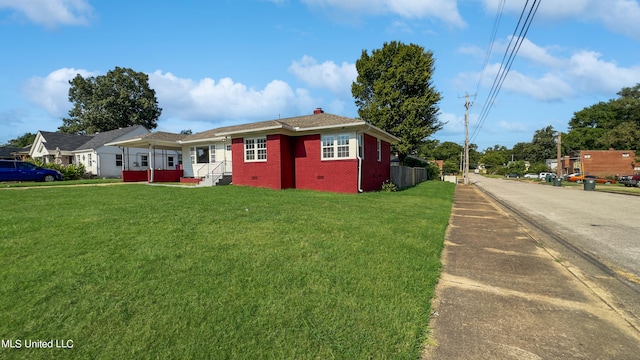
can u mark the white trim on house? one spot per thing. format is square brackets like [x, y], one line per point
[339, 150]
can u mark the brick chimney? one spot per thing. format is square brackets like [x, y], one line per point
[318, 111]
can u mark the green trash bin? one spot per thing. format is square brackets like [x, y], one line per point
[548, 177]
[589, 185]
[557, 181]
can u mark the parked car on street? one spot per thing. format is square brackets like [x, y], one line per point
[567, 176]
[531, 176]
[543, 175]
[13, 170]
[513, 176]
[630, 180]
[583, 178]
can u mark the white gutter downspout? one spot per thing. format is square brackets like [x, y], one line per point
[359, 157]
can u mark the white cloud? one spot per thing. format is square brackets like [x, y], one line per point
[223, 100]
[620, 16]
[51, 13]
[52, 91]
[554, 78]
[185, 100]
[591, 73]
[445, 10]
[327, 75]
[537, 54]
[510, 126]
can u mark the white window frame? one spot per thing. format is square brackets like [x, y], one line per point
[193, 152]
[379, 149]
[333, 147]
[361, 146]
[144, 160]
[118, 160]
[212, 153]
[255, 149]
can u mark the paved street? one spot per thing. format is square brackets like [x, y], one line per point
[602, 224]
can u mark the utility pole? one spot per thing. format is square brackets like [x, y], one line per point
[467, 105]
[559, 168]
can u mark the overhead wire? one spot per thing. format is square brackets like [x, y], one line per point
[494, 31]
[505, 67]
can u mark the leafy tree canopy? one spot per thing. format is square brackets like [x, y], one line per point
[613, 124]
[495, 158]
[394, 92]
[118, 99]
[22, 141]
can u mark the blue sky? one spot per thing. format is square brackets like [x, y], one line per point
[223, 62]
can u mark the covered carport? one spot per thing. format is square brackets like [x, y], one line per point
[158, 145]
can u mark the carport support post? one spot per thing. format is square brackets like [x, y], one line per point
[151, 163]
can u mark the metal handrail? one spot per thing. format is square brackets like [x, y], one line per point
[211, 172]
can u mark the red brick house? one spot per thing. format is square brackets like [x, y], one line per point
[322, 152]
[602, 163]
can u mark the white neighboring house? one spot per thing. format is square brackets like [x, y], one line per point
[102, 160]
[50, 147]
[90, 150]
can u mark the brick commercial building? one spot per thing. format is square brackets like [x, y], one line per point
[602, 163]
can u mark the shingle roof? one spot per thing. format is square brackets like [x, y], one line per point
[63, 141]
[162, 136]
[319, 120]
[289, 125]
[100, 139]
[292, 123]
[5, 151]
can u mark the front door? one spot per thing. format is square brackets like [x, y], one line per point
[227, 158]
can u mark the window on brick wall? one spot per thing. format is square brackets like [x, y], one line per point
[379, 149]
[255, 149]
[335, 146]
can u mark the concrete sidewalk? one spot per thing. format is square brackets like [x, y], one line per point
[502, 296]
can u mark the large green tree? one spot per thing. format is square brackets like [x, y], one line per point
[544, 145]
[394, 92]
[613, 124]
[118, 99]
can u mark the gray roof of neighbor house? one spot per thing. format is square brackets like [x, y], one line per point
[6, 152]
[63, 141]
[100, 139]
[160, 139]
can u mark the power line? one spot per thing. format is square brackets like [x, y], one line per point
[505, 66]
[494, 31]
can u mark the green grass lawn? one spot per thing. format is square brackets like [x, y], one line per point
[137, 271]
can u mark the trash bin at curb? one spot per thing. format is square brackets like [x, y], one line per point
[557, 182]
[548, 178]
[589, 185]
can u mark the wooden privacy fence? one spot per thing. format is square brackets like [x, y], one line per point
[404, 176]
